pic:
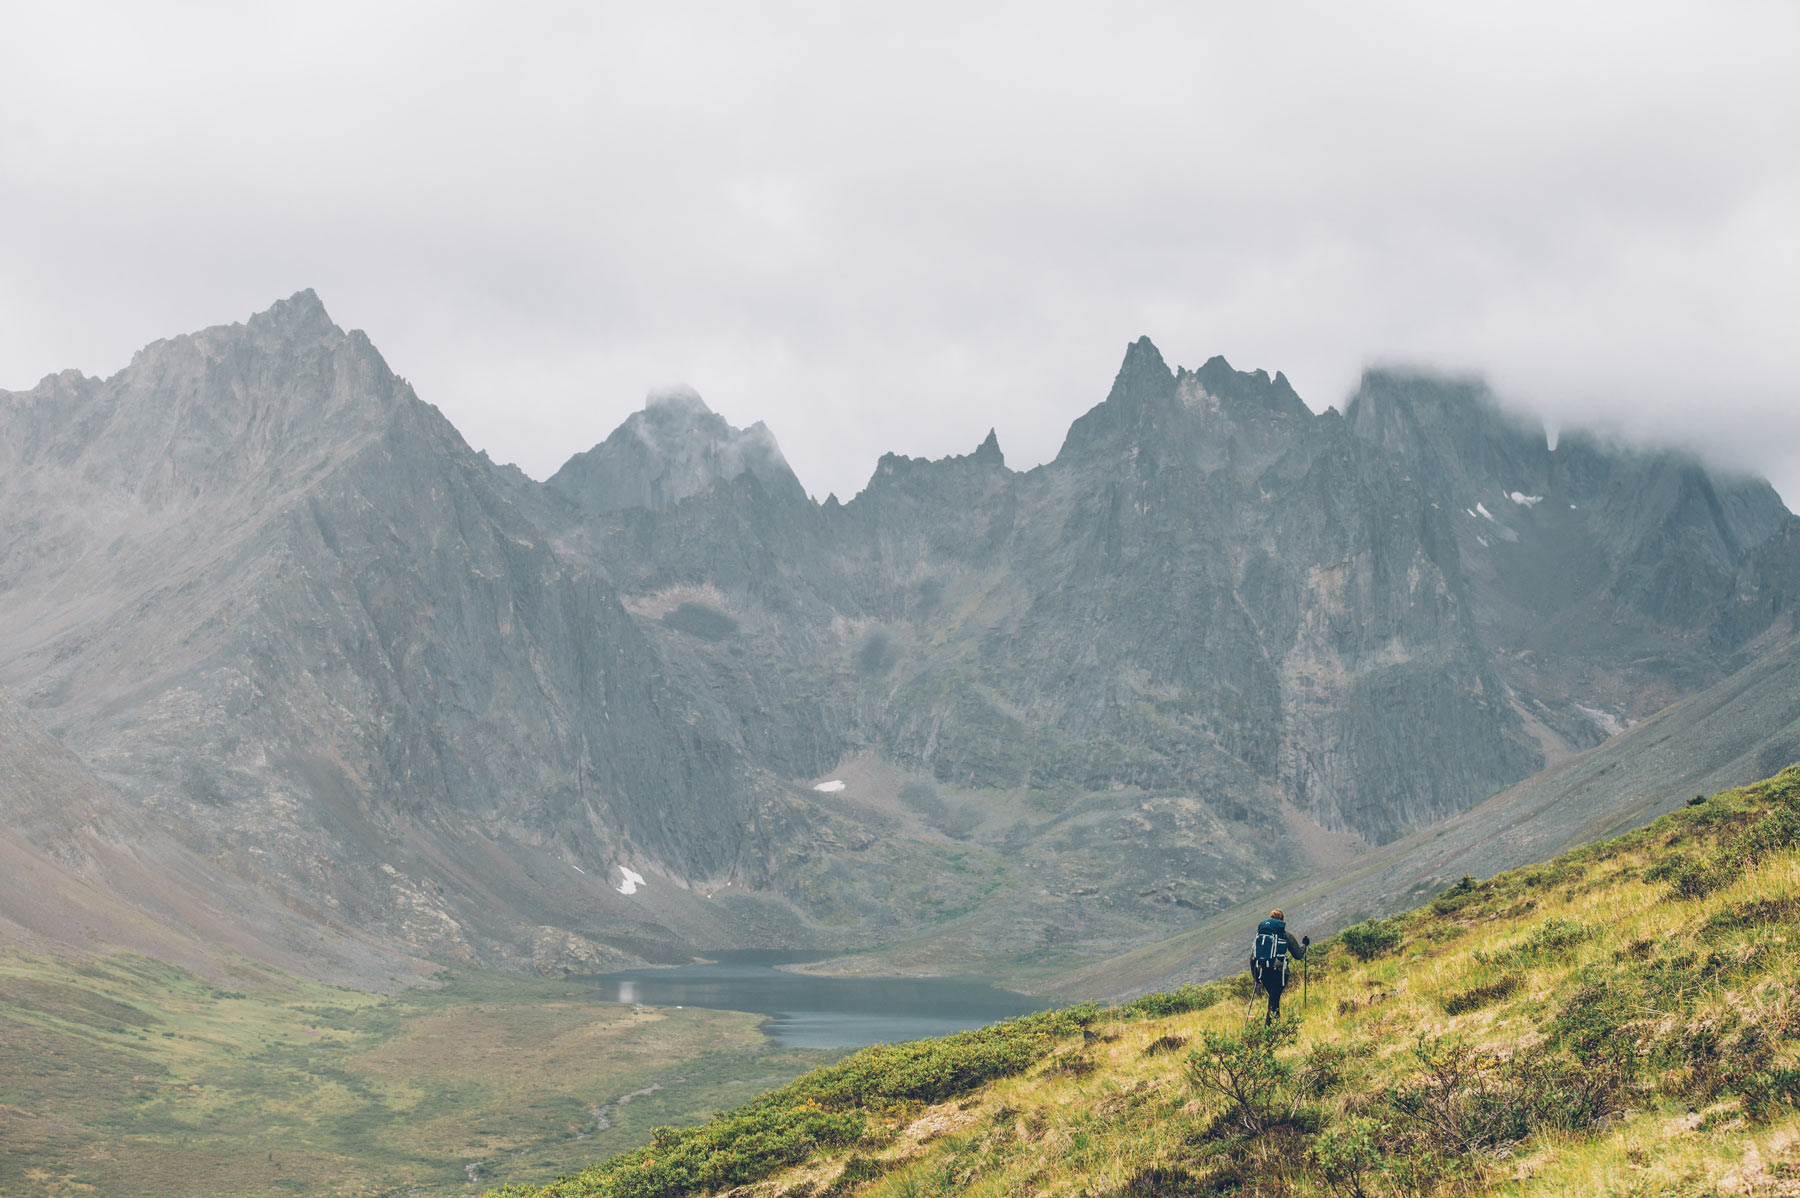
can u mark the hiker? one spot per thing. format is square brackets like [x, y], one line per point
[1269, 962]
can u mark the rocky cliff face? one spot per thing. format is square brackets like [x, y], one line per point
[274, 599]
[1606, 581]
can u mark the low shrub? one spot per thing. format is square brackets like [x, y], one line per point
[1457, 1103]
[1346, 1159]
[730, 1151]
[927, 1071]
[1551, 939]
[1465, 1100]
[1172, 1002]
[1548, 941]
[1323, 1070]
[1777, 830]
[1246, 1070]
[1696, 880]
[1464, 892]
[1240, 987]
[1595, 1025]
[1566, 1095]
[1371, 938]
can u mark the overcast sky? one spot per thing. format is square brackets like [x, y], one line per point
[890, 227]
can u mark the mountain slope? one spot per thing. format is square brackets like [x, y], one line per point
[274, 598]
[1738, 730]
[1620, 1020]
[82, 869]
[271, 598]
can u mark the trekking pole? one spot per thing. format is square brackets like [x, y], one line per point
[1305, 976]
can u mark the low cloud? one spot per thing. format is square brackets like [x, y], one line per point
[889, 231]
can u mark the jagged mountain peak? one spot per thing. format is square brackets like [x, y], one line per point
[229, 410]
[1247, 391]
[927, 476]
[989, 450]
[301, 312]
[672, 448]
[299, 322]
[1143, 373]
[1151, 404]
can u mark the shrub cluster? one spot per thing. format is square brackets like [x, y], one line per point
[1371, 938]
[1172, 1002]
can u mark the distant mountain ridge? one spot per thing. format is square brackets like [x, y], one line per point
[273, 598]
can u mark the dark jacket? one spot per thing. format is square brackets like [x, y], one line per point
[1276, 927]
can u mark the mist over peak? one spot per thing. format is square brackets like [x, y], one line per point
[673, 448]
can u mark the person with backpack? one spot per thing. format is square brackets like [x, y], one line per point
[1269, 960]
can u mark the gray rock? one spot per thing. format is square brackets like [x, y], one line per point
[272, 599]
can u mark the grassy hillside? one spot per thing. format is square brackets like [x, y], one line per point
[125, 1075]
[1622, 1020]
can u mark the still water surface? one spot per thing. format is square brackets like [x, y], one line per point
[820, 1012]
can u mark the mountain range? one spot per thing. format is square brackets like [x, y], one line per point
[313, 651]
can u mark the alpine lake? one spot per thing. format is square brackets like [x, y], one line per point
[806, 1011]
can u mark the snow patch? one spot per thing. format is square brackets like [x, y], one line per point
[1482, 539]
[633, 879]
[1471, 512]
[1524, 500]
[576, 868]
[1483, 512]
[831, 787]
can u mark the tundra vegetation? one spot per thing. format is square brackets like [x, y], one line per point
[124, 1075]
[1621, 1020]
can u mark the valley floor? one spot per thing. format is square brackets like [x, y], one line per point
[123, 1075]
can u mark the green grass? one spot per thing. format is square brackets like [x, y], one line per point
[125, 1075]
[1622, 1020]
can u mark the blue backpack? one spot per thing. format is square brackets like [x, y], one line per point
[1271, 944]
